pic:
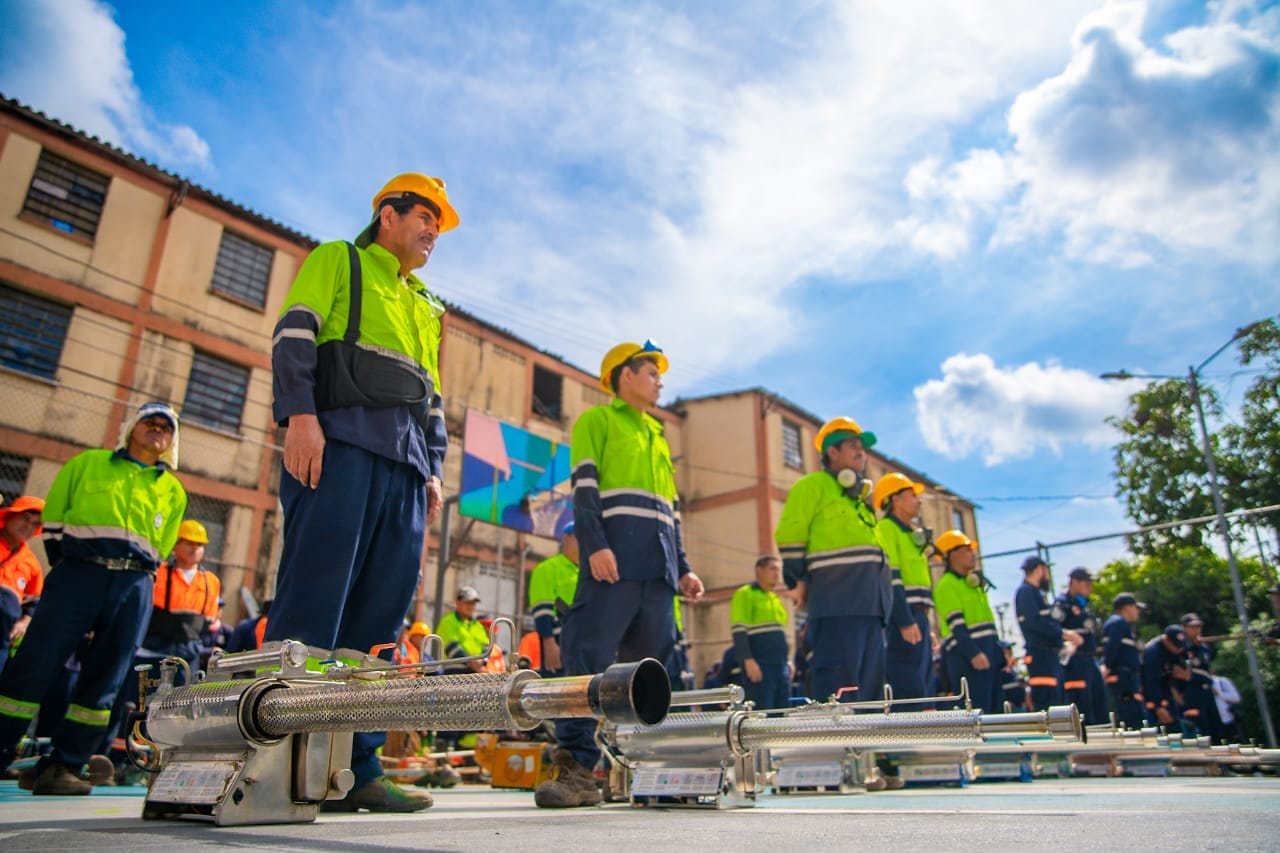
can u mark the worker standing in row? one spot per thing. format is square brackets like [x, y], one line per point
[356, 381]
[1123, 658]
[552, 586]
[909, 637]
[109, 518]
[1042, 635]
[759, 625]
[1082, 683]
[1164, 677]
[627, 522]
[970, 644]
[1200, 708]
[831, 557]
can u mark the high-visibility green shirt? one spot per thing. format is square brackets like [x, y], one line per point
[624, 492]
[759, 623]
[551, 589]
[964, 614]
[105, 504]
[912, 582]
[828, 540]
[462, 637]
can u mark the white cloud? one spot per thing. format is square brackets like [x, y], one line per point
[67, 59]
[1011, 412]
[1134, 149]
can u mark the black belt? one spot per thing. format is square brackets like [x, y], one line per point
[121, 564]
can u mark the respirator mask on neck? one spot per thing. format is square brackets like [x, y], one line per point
[854, 484]
[922, 537]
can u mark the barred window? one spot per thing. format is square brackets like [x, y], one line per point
[212, 513]
[957, 520]
[13, 476]
[792, 456]
[32, 332]
[66, 195]
[243, 270]
[216, 392]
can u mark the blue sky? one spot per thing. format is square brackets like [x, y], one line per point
[943, 219]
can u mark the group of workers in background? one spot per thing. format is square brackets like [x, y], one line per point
[355, 360]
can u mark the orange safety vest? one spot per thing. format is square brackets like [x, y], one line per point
[20, 571]
[531, 648]
[182, 607]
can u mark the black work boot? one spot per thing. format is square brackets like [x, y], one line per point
[59, 780]
[380, 795]
[571, 785]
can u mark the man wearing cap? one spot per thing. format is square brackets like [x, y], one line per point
[759, 620]
[551, 589]
[1199, 708]
[109, 518]
[356, 380]
[830, 556]
[1042, 635]
[910, 652]
[1081, 679]
[21, 575]
[462, 633]
[970, 643]
[631, 550]
[1164, 677]
[1123, 660]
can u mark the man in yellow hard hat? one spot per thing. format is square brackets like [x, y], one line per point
[830, 555]
[910, 650]
[109, 518]
[631, 552]
[356, 377]
[970, 644]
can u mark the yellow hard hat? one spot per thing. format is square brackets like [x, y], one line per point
[626, 351]
[889, 485]
[193, 531]
[951, 540]
[838, 429]
[419, 629]
[423, 188]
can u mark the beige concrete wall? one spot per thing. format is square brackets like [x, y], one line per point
[183, 285]
[718, 446]
[126, 235]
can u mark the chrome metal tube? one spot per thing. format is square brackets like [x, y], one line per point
[629, 693]
[1060, 722]
[860, 730]
[733, 694]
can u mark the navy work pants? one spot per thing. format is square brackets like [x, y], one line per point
[10, 613]
[78, 597]
[1200, 712]
[619, 622]
[910, 665]
[986, 690]
[1128, 706]
[350, 562]
[1044, 675]
[848, 651]
[1083, 687]
[772, 691]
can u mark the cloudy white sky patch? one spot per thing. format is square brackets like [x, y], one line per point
[67, 58]
[1011, 412]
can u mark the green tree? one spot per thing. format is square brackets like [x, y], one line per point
[1160, 471]
[1253, 447]
[1193, 579]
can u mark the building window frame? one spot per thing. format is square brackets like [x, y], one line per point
[217, 390]
[66, 197]
[957, 518]
[33, 332]
[792, 445]
[547, 394]
[242, 271]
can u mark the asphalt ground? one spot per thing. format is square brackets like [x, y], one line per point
[1173, 813]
